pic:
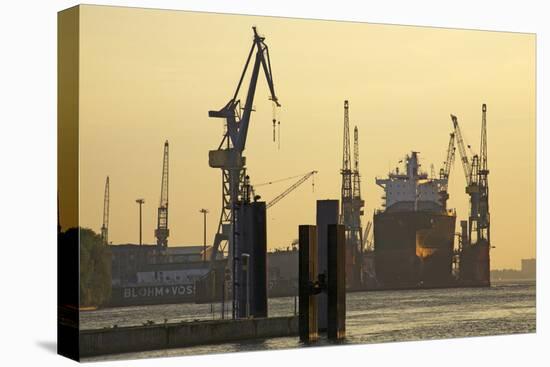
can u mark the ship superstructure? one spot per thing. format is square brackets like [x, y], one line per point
[412, 190]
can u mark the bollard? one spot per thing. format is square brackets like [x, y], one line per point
[331, 284]
[336, 282]
[327, 213]
[307, 273]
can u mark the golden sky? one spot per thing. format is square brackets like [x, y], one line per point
[151, 75]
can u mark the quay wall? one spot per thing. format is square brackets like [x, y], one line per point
[176, 335]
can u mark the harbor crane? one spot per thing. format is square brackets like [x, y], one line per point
[105, 225]
[229, 155]
[445, 171]
[352, 204]
[484, 217]
[476, 172]
[346, 172]
[357, 202]
[162, 232]
[470, 166]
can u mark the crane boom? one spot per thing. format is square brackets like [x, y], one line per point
[445, 171]
[462, 150]
[105, 225]
[290, 189]
[237, 128]
[368, 227]
[162, 232]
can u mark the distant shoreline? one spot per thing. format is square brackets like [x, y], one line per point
[493, 279]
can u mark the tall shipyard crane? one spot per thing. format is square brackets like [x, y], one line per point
[352, 204]
[470, 172]
[357, 202]
[346, 190]
[474, 258]
[445, 171]
[483, 207]
[229, 155]
[105, 225]
[162, 232]
[476, 172]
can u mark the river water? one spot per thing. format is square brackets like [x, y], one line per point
[372, 317]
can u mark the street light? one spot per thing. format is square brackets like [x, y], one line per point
[204, 212]
[140, 202]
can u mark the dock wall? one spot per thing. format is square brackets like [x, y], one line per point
[176, 335]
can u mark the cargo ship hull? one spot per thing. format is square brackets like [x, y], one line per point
[414, 249]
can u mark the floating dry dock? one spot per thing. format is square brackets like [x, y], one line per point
[185, 334]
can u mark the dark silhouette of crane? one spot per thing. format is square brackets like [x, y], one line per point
[162, 232]
[445, 171]
[484, 217]
[352, 204]
[229, 155]
[476, 172]
[105, 225]
[357, 204]
[475, 258]
[346, 172]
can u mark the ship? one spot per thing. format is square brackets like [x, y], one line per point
[414, 232]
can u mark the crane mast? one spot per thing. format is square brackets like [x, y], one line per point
[356, 176]
[346, 190]
[483, 207]
[357, 202]
[229, 155]
[162, 232]
[105, 225]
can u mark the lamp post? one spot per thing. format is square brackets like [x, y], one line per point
[140, 202]
[204, 212]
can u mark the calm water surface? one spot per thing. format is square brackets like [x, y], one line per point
[372, 317]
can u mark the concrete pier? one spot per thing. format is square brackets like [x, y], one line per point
[176, 335]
